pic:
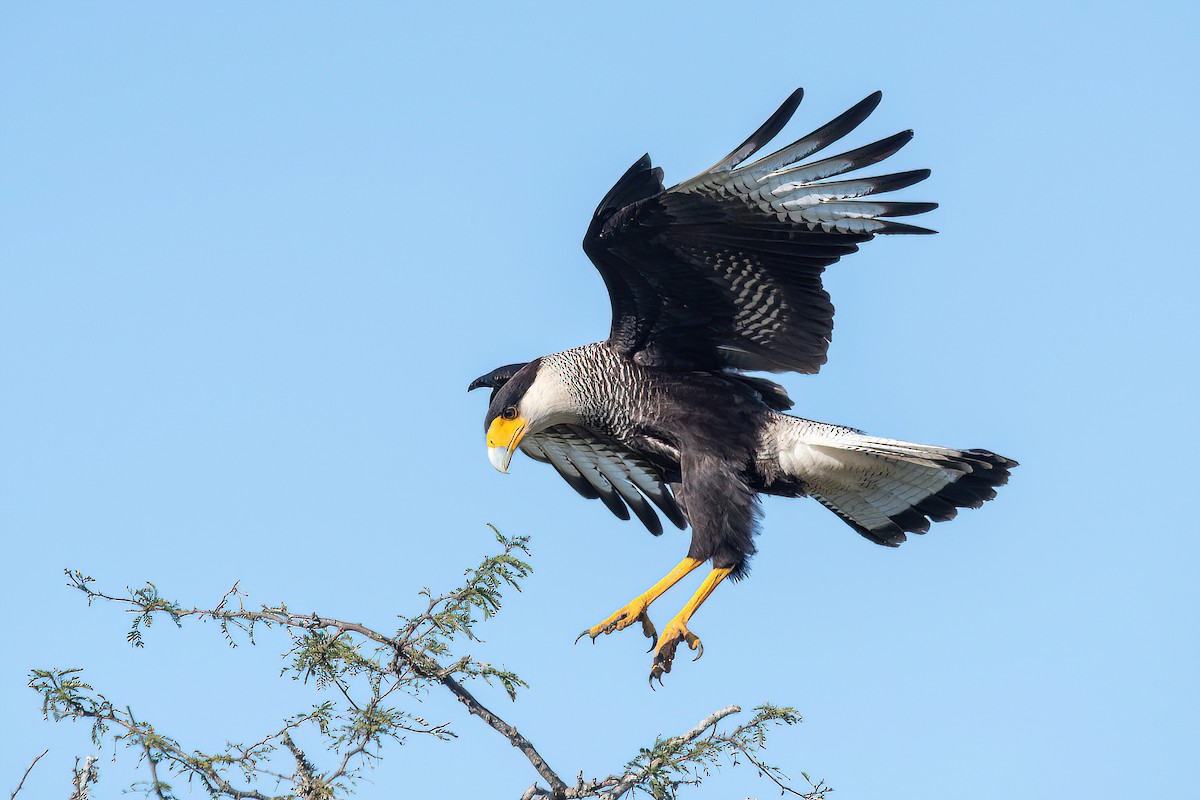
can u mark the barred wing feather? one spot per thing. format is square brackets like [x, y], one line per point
[599, 468]
[724, 270]
[885, 488]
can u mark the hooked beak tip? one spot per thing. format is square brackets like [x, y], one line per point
[500, 458]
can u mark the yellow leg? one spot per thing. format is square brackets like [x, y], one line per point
[677, 629]
[635, 609]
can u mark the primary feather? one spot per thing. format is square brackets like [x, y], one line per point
[724, 269]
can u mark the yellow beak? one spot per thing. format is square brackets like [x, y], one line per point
[503, 436]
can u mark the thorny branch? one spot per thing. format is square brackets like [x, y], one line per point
[28, 770]
[368, 668]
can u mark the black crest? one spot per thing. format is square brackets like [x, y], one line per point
[496, 378]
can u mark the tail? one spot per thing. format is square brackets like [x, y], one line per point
[884, 488]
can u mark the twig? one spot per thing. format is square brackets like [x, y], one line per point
[152, 760]
[28, 770]
[765, 770]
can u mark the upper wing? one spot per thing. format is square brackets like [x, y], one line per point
[596, 467]
[724, 270]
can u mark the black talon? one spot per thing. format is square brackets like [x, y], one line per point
[648, 630]
[699, 650]
[580, 636]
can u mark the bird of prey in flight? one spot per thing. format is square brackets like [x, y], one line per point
[710, 279]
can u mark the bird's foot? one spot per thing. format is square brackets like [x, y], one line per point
[664, 654]
[633, 611]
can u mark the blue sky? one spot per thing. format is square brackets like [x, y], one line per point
[253, 253]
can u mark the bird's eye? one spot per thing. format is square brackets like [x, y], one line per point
[509, 413]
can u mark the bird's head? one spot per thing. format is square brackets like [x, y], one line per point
[526, 399]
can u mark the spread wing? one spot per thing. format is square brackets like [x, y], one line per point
[598, 468]
[724, 270]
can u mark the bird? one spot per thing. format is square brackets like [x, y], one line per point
[710, 280]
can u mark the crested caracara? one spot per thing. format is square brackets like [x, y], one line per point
[709, 279]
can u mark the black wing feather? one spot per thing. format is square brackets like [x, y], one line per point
[758, 140]
[724, 270]
[599, 468]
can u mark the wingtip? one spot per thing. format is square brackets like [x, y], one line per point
[915, 230]
[858, 112]
[776, 121]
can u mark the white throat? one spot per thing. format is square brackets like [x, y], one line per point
[548, 401]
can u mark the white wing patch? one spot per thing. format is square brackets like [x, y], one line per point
[600, 469]
[883, 487]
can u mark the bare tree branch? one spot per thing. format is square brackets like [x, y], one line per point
[28, 770]
[557, 785]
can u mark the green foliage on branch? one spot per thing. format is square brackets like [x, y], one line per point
[372, 684]
[680, 761]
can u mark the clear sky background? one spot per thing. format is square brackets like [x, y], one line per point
[253, 253]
